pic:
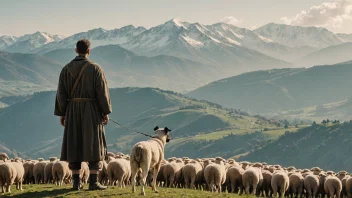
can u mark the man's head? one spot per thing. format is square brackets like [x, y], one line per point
[83, 47]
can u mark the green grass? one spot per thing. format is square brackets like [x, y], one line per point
[35, 191]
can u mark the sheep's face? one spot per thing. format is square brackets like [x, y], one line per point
[163, 133]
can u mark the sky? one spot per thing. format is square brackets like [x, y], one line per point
[66, 17]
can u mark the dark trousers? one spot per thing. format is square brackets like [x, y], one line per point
[77, 165]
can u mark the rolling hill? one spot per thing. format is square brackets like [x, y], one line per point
[30, 128]
[330, 55]
[277, 90]
[124, 68]
[327, 147]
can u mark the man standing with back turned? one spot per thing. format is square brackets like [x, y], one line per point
[83, 104]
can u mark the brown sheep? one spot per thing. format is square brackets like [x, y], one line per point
[296, 184]
[8, 175]
[280, 183]
[333, 186]
[311, 185]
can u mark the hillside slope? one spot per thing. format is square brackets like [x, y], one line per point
[30, 128]
[280, 89]
[325, 146]
[330, 55]
[124, 68]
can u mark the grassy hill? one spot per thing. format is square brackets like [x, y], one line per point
[340, 110]
[26, 73]
[280, 89]
[30, 128]
[325, 146]
[330, 55]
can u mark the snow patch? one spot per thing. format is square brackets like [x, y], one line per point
[193, 42]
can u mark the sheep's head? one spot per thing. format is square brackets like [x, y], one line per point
[52, 159]
[163, 133]
[4, 157]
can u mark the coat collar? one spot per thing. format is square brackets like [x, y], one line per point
[79, 58]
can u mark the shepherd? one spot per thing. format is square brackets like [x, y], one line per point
[83, 104]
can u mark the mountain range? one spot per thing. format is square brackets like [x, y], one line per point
[271, 91]
[217, 44]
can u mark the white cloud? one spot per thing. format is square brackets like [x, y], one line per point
[332, 14]
[231, 20]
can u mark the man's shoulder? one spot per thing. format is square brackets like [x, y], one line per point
[96, 66]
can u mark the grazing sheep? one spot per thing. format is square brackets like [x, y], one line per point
[234, 179]
[4, 157]
[172, 172]
[20, 173]
[311, 185]
[84, 173]
[321, 189]
[103, 173]
[28, 173]
[280, 183]
[215, 175]
[8, 175]
[148, 155]
[296, 185]
[61, 172]
[252, 180]
[48, 177]
[344, 183]
[333, 186]
[191, 173]
[266, 186]
[349, 187]
[38, 171]
[119, 171]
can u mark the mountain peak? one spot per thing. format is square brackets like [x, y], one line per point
[177, 22]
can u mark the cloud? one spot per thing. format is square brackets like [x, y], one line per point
[231, 20]
[327, 14]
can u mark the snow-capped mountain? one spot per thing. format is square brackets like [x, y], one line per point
[345, 37]
[296, 36]
[29, 42]
[200, 43]
[5, 41]
[98, 37]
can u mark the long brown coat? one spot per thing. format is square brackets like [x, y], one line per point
[84, 136]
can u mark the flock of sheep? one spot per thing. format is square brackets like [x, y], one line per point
[213, 174]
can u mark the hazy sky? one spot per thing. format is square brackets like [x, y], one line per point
[18, 17]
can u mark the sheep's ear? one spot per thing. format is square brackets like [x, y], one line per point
[156, 128]
[167, 130]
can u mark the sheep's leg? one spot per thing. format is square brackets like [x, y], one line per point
[143, 180]
[155, 175]
[8, 188]
[254, 189]
[134, 171]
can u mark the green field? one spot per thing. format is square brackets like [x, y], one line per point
[35, 191]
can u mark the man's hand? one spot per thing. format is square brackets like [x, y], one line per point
[62, 120]
[105, 119]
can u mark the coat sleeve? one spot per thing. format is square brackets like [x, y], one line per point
[102, 92]
[61, 96]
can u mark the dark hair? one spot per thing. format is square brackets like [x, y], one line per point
[83, 46]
